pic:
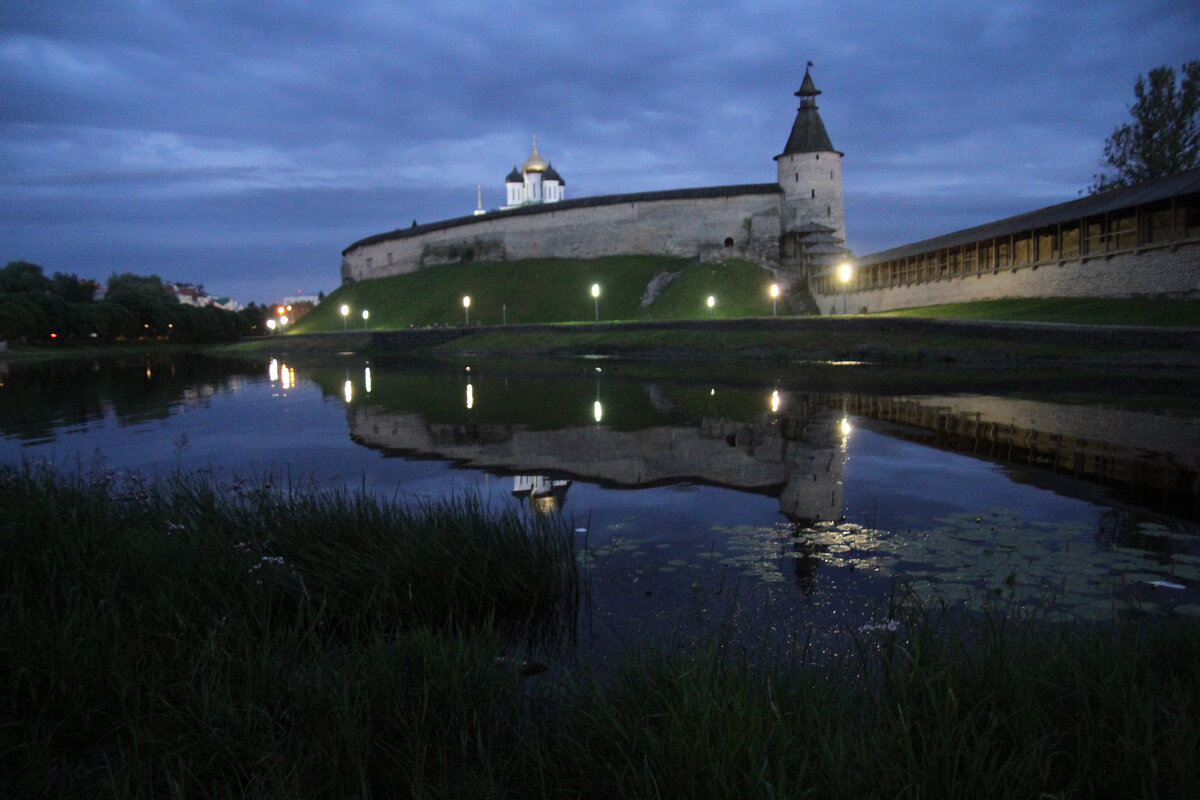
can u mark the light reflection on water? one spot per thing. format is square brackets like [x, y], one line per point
[758, 508]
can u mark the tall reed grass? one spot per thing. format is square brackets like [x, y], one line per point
[187, 640]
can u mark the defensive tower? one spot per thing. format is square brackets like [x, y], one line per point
[812, 220]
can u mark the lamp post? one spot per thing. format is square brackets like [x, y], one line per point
[774, 299]
[271, 325]
[596, 299]
[712, 301]
[467, 307]
[345, 312]
[366, 314]
[844, 271]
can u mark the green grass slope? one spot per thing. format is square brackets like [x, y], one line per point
[547, 290]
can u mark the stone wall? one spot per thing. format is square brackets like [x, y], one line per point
[735, 225]
[1158, 271]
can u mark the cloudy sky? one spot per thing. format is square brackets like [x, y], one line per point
[243, 144]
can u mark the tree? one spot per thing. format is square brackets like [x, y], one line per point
[147, 298]
[73, 288]
[21, 276]
[1164, 136]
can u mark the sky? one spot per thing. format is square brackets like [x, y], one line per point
[243, 145]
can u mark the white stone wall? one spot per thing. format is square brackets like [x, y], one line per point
[1164, 271]
[687, 227]
[812, 187]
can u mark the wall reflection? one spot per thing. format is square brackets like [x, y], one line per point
[796, 456]
[791, 445]
[545, 494]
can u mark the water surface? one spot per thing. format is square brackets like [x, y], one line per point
[704, 500]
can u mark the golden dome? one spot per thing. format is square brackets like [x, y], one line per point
[535, 162]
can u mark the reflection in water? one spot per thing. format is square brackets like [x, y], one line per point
[684, 537]
[797, 457]
[1154, 458]
[545, 494]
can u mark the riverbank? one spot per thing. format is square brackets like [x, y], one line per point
[874, 339]
[258, 640]
[52, 351]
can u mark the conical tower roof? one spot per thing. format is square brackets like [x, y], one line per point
[808, 131]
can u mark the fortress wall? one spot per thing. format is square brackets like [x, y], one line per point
[1165, 271]
[686, 227]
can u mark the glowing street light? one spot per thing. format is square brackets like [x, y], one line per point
[366, 314]
[844, 272]
[467, 307]
[712, 301]
[271, 325]
[345, 312]
[283, 321]
[774, 299]
[596, 299]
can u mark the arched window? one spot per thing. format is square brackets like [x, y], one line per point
[729, 241]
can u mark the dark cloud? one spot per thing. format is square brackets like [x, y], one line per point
[243, 145]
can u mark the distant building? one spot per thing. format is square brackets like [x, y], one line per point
[311, 299]
[536, 182]
[192, 294]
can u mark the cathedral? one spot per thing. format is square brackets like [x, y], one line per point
[535, 182]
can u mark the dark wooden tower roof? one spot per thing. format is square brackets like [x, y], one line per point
[808, 131]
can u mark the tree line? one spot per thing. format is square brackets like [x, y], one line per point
[62, 307]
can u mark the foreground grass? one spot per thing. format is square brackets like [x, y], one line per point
[1082, 310]
[179, 641]
[185, 639]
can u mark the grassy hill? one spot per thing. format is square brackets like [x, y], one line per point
[548, 290]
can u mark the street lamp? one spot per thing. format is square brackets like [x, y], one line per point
[844, 271]
[712, 301]
[774, 299]
[271, 325]
[345, 311]
[366, 314]
[467, 307]
[596, 299]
